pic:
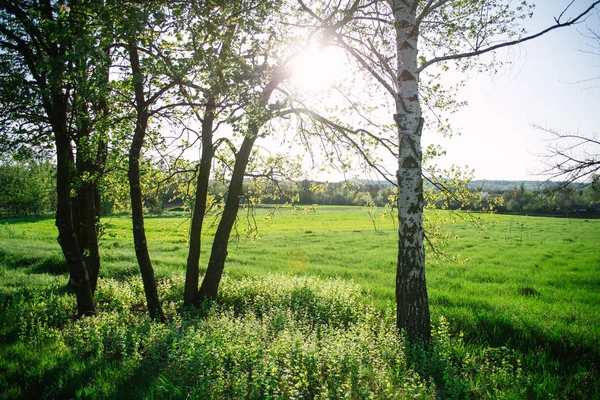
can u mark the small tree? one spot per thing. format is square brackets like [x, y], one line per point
[54, 91]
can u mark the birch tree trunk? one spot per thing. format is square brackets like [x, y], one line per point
[412, 308]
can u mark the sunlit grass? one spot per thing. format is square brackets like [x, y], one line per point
[531, 285]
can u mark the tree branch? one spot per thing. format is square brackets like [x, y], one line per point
[510, 43]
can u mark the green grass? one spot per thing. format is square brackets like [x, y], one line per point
[522, 313]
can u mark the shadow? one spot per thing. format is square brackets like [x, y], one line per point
[142, 381]
[166, 216]
[565, 356]
[53, 265]
[12, 302]
[499, 331]
[431, 365]
[120, 274]
[75, 382]
[20, 219]
[49, 265]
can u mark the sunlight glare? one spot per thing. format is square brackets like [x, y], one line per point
[318, 69]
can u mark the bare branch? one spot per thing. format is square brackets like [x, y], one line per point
[571, 157]
[512, 42]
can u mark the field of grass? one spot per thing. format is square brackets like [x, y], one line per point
[306, 310]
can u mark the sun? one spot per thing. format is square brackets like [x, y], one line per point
[318, 68]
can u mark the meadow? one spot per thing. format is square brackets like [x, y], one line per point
[306, 311]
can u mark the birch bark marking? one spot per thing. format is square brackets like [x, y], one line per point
[412, 308]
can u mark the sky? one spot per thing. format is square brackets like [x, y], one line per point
[540, 87]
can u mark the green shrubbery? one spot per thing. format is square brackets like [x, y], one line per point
[27, 189]
[271, 337]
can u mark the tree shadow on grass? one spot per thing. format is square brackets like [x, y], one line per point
[18, 315]
[71, 382]
[575, 360]
[57, 372]
[19, 219]
[53, 264]
[145, 379]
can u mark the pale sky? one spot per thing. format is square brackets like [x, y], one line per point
[540, 87]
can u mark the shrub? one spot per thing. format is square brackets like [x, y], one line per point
[271, 337]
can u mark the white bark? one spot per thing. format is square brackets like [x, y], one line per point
[411, 291]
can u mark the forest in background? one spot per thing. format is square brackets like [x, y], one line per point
[30, 189]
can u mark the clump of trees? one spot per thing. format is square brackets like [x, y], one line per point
[108, 85]
[563, 200]
[27, 188]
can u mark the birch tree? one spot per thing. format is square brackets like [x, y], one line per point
[575, 156]
[404, 45]
[572, 157]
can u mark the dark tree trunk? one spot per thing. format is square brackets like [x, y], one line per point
[47, 56]
[88, 234]
[216, 264]
[192, 274]
[137, 210]
[137, 215]
[101, 157]
[67, 234]
[218, 255]
[86, 210]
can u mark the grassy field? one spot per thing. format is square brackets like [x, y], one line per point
[519, 318]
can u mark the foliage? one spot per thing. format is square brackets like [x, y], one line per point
[310, 338]
[27, 189]
[563, 200]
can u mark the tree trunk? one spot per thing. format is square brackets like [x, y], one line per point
[192, 275]
[88, 234]
[86, 205]
[216, 264]
[67, 234]
[135, 191]
[218, 254]
[411, 290]
[139, 233]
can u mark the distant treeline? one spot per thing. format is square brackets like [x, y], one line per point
[29, 189]
[558, 200]
[548, 198]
